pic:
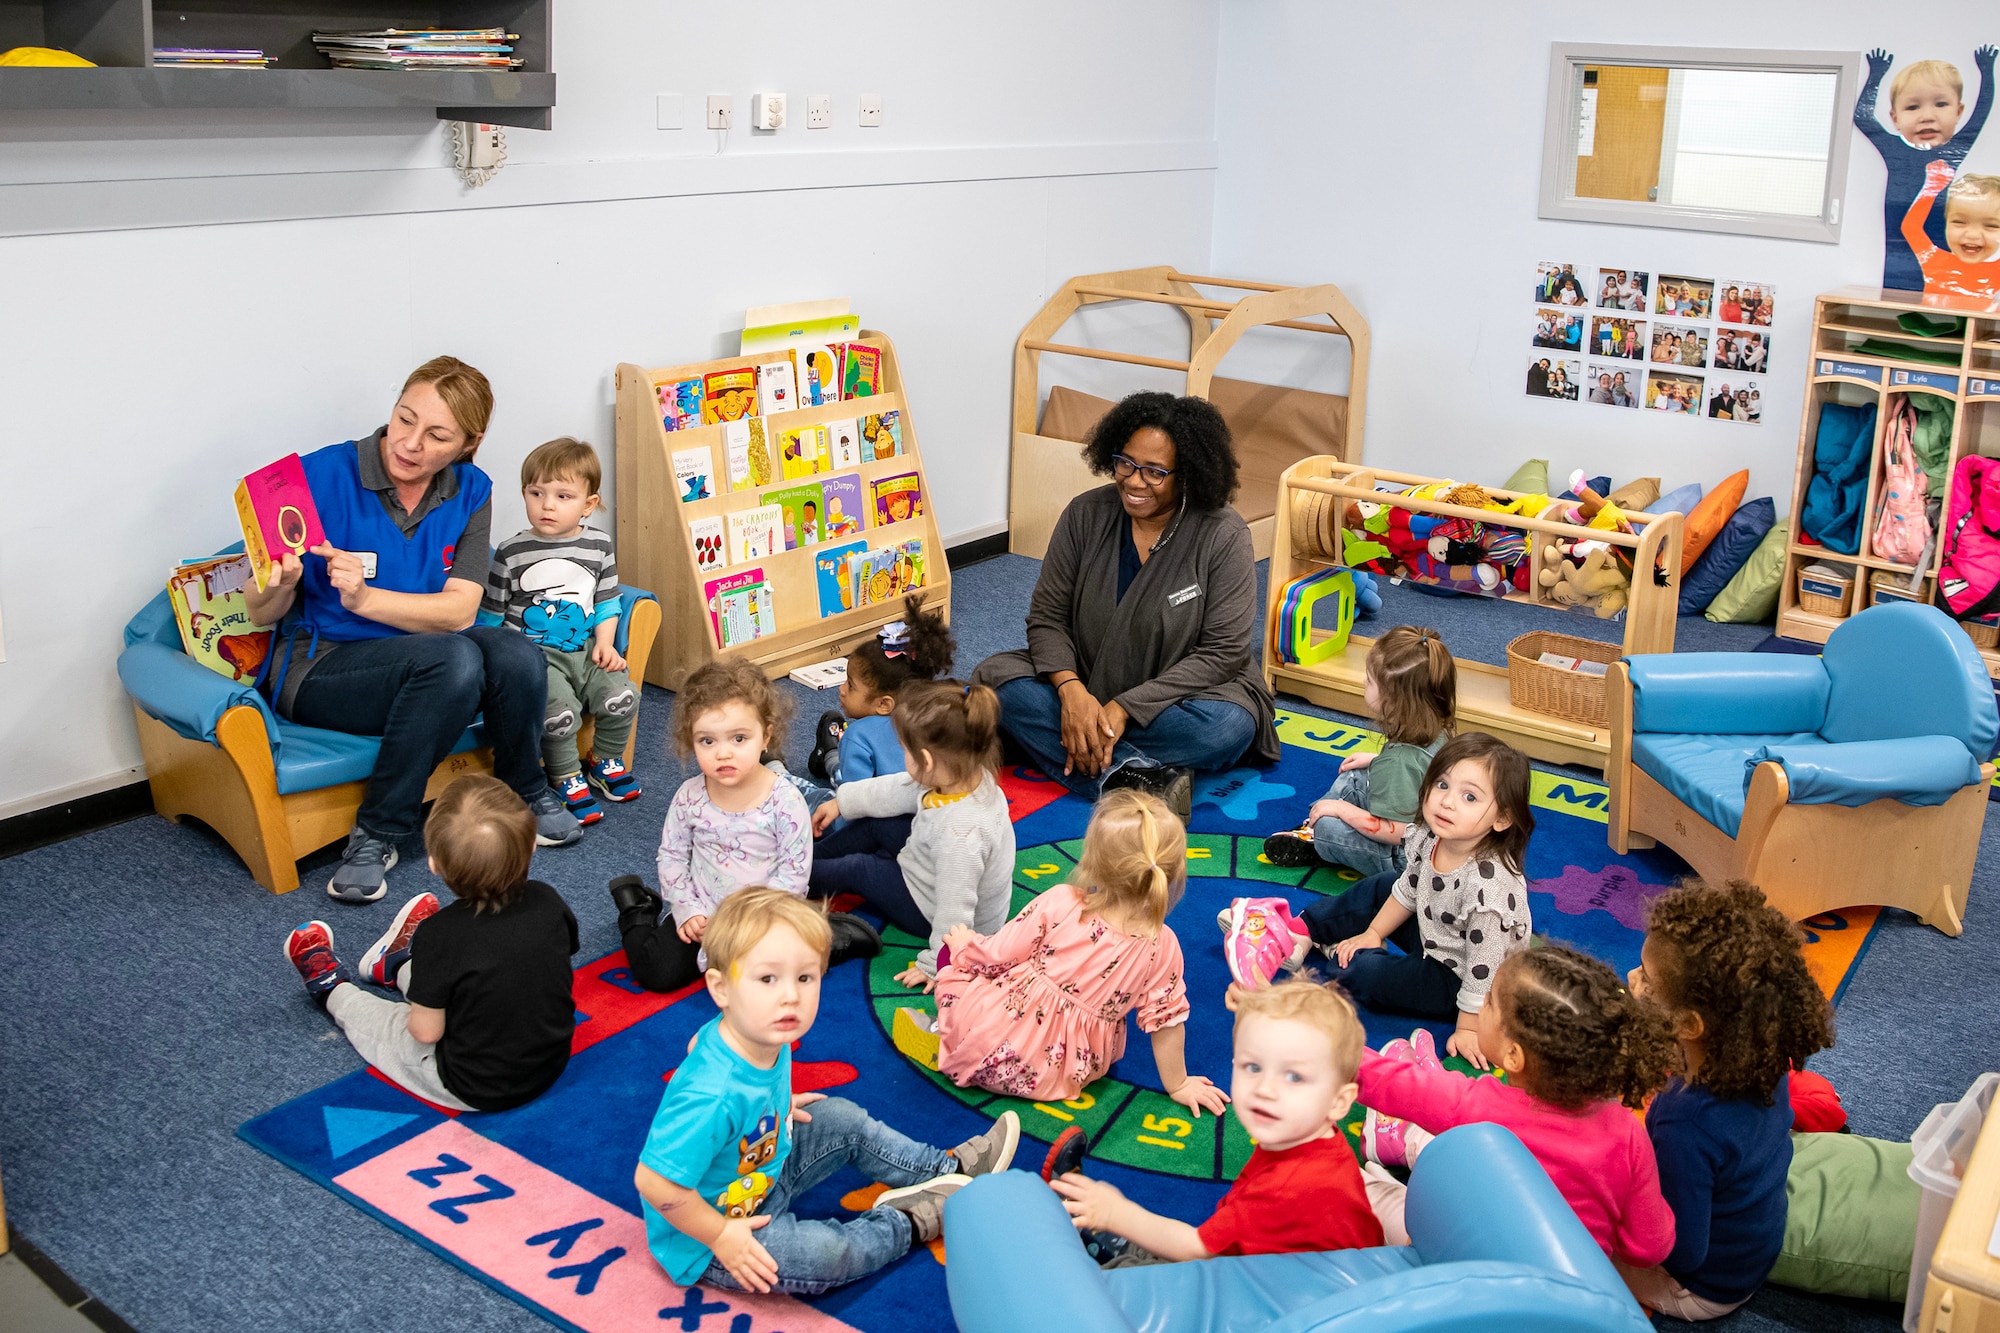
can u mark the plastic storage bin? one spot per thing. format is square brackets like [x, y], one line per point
[1943, 1146]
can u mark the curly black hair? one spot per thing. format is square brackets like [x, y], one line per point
[1587, 1038]
[928, 653]
[1730, 957]
[1204, 457]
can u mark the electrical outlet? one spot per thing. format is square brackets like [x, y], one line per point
[667, 111]
[871, 109]
[721, 110]
[819, 112]
[767, 111]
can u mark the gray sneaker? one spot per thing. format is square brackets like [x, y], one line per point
[924, 1204]
[555, 826]
[363, 873]
[993, 1150]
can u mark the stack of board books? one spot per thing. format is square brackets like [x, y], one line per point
[420, 48]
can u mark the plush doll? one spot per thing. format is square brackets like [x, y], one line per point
[1595, 583]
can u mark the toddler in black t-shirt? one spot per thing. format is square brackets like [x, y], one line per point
[489, 1016]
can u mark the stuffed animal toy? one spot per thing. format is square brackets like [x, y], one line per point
[1595, 583]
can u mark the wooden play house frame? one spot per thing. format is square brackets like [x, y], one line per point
[1048, 472]
[1483, 697]
[656, 549]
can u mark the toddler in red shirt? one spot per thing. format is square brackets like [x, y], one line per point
[1297, 1047]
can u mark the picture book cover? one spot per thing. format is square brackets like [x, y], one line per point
[860, 370]
[802, 514]
[777, 386]
[275, 507]
[843, 512]
[692, 469]
[214, 617]
[835, 566]
[714, 590]
[802, 451]
[746, 453]
[843, 443]
[706, 534]
[881, 436]
[755, 533]
[897, 499]
[745, 614]
[728, 395]
[819, 375]
[887, 574]
[680, 404]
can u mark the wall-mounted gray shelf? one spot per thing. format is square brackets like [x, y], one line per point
[120, 36]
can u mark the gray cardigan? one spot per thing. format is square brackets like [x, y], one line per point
[1186, 629]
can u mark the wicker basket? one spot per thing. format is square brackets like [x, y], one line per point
[1569, 695]
[1825, 591]
[1983, 633]
[1886, 587]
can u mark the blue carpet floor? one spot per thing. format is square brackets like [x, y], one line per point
[150, 1012]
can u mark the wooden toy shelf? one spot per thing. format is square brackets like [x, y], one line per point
[656, 549]
[1836, 373]
[1273, 426]
[1483, 699]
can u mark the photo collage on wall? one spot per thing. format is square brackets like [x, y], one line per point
[1638, 338]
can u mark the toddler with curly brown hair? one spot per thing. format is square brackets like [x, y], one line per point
[1726, 969]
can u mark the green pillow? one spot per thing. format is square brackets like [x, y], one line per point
[1851, 1217]
[1531, 478]
[1752, 594]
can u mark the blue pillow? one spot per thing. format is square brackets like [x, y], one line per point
[1728, 553]
[1679, 501]
[1602, 485]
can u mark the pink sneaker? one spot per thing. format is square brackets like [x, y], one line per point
[1262, 940]
[1382, 1140]
[1424, 1051]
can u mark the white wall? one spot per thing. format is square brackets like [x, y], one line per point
[143, 367]
[1400, 158]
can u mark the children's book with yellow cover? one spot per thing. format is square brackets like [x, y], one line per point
[802, 451]
[728, 395]
[214, 617]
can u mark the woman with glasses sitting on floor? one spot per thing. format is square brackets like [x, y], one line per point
[1141, 664]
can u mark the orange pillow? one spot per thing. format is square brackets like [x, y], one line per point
[1709, 517]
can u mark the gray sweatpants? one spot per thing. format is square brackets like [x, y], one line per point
[580, 688]
[380, 1030]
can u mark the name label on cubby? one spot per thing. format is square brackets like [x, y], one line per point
[1848, 370]
[1978, 388]
[1924, 379]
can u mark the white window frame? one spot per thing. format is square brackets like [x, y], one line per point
[1559, 139]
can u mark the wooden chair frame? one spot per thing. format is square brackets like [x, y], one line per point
[232, 785]
[1047, 473]
[1807, 859]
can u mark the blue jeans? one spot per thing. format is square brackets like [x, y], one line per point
[1194, 733]
[419, 692]
[861, 858]
[1340, 843]
[1402, 983]
[818, 1255]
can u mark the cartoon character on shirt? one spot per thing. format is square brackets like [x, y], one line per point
[755, 1151]
[560, 616]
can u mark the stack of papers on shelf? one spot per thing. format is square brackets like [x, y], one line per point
[419, 48]
[209, 57]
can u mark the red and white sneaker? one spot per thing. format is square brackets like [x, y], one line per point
[1263, 940]
[386, 956]
[309, 948]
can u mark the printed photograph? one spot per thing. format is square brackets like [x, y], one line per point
[1558, 284]
[1622, 289]
[1558, 330]
[1690, 298]
[1674, 391]
[1554, 377]
[1615, 337]
[1742, 349]
[1679, 345]
[1740, 302]
[1736, 399]
[1615, 384]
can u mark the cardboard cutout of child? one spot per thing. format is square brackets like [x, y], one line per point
[1926, 104]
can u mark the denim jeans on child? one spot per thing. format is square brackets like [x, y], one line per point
[816, 1255]
[1340, 843]
[1403, 983]
[1194, 733]
[860, 858]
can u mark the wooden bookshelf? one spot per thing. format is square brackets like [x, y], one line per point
[656, 548]
[1836, 373]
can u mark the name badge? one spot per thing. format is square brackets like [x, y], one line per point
[367, 564]
[1187, 594]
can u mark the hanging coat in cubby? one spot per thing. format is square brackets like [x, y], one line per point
[1838, 490]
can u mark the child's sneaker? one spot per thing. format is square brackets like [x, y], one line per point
[611, 777]
[914, 1033]
[576, 799]
[1382, 1139]
[924, 1203]
[309, 948]
[1291, 847]
[984, 1154]
[1424, 1051]
[386, 956]
[1263, 940]
[1066, 1154]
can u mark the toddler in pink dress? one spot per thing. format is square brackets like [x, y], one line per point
[1038, 1008]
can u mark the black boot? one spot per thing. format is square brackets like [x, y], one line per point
[826, 744]
[635, 900]
[852, 938]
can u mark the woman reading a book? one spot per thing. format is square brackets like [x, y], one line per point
[1141, 662]
[377, 635]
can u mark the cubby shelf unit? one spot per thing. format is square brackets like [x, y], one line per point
[121, 35]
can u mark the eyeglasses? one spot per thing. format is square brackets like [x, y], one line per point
[1123, 467]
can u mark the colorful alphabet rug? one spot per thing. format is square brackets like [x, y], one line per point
[538, 1202]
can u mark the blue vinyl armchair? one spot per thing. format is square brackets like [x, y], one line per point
[1492, 1246]
[273, 790]
[1855, 777]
